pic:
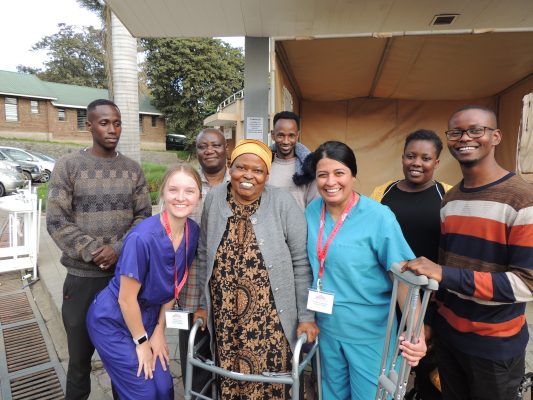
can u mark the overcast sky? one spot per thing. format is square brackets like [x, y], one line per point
[25, 22]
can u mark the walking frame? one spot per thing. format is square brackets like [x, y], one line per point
[390, 381]
[287, 378]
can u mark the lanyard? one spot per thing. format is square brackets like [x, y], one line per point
[322, 252]
[166, 224]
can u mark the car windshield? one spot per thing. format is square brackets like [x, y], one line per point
[42, 156]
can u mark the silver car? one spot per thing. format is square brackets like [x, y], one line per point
[10, 180]
[46, 162]
[31, 169]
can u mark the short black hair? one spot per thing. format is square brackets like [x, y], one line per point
[489, 111]
[287, 115]
[425, 134]
[100, 102]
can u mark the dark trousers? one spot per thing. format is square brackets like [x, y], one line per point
[200, 376]
[465, 377]
[78, 293]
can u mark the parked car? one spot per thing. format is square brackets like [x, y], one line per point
[5, 163]
[176, 141]
[47, 163]
[10, 180]
[31, 168]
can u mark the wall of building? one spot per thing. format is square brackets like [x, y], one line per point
[29, 126]
[46, 125]
[153, 137]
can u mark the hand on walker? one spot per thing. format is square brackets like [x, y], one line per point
[201, 313]
[159, 349]
[144, 355]
[309, 328]
[423, 266]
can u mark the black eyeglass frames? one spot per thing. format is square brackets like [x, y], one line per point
[473, 133]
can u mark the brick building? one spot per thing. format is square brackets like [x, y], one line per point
[34, 109]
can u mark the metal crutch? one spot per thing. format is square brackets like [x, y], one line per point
[390, 382]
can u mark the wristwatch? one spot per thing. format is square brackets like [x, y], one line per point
[141, 340]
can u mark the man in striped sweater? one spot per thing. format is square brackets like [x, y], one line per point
[485, 267]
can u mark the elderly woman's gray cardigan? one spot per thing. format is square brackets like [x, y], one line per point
[281, 233]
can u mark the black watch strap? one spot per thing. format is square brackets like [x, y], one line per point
[141, 339]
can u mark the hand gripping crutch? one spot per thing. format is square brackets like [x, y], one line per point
[289, 378]
[391, 382]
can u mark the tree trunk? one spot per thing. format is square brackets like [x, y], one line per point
[125, 86]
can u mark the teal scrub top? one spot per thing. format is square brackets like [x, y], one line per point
[356, 269]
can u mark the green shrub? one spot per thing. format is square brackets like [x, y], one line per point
[42, 194]
[154, 175]
[154, 197]
[183, 155]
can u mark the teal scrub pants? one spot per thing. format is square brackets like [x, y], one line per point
[349, 371]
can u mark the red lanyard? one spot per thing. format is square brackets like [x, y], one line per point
[322, 252]
[166, 224]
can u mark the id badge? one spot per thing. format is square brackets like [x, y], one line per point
[178, 319]
[320, 301]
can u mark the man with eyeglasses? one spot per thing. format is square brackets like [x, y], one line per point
[485, 267]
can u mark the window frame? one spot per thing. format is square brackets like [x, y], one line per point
[34, 106]
[61, 111]
[11, 109]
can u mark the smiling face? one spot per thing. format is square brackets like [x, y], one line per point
[285, 135]
[248, 178]
[180, 194]
[105, 125]
[470, 152]
[419, 161]
[211, 151]
[334, 182]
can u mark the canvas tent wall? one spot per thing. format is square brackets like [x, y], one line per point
[524, 150]
[371, 92]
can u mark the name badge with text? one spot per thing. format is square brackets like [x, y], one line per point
[178, 319]
[320, 301]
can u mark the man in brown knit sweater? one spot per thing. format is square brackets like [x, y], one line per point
[94, 197]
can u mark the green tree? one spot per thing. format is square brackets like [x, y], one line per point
[188, 78]
[75, 56]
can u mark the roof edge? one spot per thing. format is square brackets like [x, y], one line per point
[27, 96]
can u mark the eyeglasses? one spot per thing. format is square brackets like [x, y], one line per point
[472, 133]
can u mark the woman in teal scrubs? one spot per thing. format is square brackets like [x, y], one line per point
[359, 241]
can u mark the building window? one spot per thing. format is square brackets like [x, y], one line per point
[154, 121]
[61, 114]
[11, 109]
[140, 123]
[34, 106]
[82, 119]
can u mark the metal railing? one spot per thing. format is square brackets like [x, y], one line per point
[231, 99]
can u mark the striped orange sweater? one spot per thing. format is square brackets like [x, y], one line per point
[486, 253]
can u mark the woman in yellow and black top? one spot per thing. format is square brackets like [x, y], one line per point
[415, 200]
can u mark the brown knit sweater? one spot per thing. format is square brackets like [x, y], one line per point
[94, 201]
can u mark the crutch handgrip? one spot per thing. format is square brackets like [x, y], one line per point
[408, 277]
